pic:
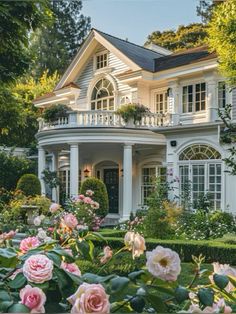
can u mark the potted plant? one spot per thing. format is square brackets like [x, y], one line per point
[55, 112]
[132, 113]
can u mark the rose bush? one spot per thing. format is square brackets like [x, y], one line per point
[47, 278]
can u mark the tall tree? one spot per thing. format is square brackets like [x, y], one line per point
[188, 36]
[18, 116]
[55, 46]
[17, 19]
[222, 38]
[205, 9]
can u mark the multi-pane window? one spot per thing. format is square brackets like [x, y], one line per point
[149, 176]
[161, 103]
[103, 95]
[194, 97]
[221, 94]
[200, 167]
[101, 61]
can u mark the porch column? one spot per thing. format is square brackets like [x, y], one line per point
[127, 181]
[41, 168]
[55, 169]
[74, 169]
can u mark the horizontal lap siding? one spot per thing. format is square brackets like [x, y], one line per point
[88, 73]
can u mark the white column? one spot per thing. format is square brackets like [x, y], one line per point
[212, 105]
[74, 169]
[174, 102]
[55, 191]
[41, 168]
[127, 181]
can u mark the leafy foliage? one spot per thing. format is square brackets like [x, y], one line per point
[133, 112]
[17, 19]
[189, 36]
[100, 194]
[29, 184]
[222, 38]
[54, 46]
[55, 112]
[12, 168]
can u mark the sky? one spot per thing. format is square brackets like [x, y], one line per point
[136, 19]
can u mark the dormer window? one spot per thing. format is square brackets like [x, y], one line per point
[101, 60]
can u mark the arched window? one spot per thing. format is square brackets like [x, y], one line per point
[103, 95]
[200, 168]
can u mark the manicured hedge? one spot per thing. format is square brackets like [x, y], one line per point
[213, 251]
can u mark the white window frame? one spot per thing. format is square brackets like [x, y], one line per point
[165, 102]
[99, 54]
[193, 84]
[158, 169]
[104, 99]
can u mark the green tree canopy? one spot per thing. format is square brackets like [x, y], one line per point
[17, 19]
[205, 9]
[18, 116]
[222, 38]
[184, 37]
[54, 46]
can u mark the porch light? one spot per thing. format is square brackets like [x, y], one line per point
[86, 173]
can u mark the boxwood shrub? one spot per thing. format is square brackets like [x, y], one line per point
[213, 251]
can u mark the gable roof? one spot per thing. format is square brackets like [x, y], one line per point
[143, 57]
[184, 57]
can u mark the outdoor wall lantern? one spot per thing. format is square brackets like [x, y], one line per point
[86, 173]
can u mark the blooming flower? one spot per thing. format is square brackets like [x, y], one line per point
[107, 254]
[135, 243]
[37, 221]
[29, 243]
[90, 298]
[54, 208]
[34, 298]
[87, 200]
[224, 269]
[163, 263]
[219, 307]
[38, 268]
[71, 268]
[70, 221]
[95, 205]
[89, 193]
[42, 235]
[7, 236]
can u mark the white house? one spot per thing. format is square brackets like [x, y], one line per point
[181, 133]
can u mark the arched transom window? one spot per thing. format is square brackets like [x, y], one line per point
[103, 95]
[200, 170]
[198, 152]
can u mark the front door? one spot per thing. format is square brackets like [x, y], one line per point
[111, 180]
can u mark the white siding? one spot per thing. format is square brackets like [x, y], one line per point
[234, 104]
[87, 75]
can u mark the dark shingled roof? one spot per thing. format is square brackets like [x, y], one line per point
[183, 58]
[153, 61]
[143, 57]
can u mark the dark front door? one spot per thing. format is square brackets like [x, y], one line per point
[111, 180]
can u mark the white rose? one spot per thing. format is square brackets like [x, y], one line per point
[163, 263]
[37, 221]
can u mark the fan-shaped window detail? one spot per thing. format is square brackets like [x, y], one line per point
[199, 152]
[200, 172]
[103, 95]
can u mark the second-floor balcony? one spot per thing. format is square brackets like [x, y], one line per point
[105, 119]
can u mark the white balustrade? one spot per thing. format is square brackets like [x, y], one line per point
[98, 118]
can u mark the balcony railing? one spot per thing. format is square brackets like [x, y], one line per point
[103, 119]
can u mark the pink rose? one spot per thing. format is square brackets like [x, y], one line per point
[135, 243]
[87, 200]
[33, 298]
[28, 244]
[107, 255]
[90, 298]
[70, 221]
[38, 268]
[71, 268]
[54, 208]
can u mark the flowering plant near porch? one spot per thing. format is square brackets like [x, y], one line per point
[43, 275]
